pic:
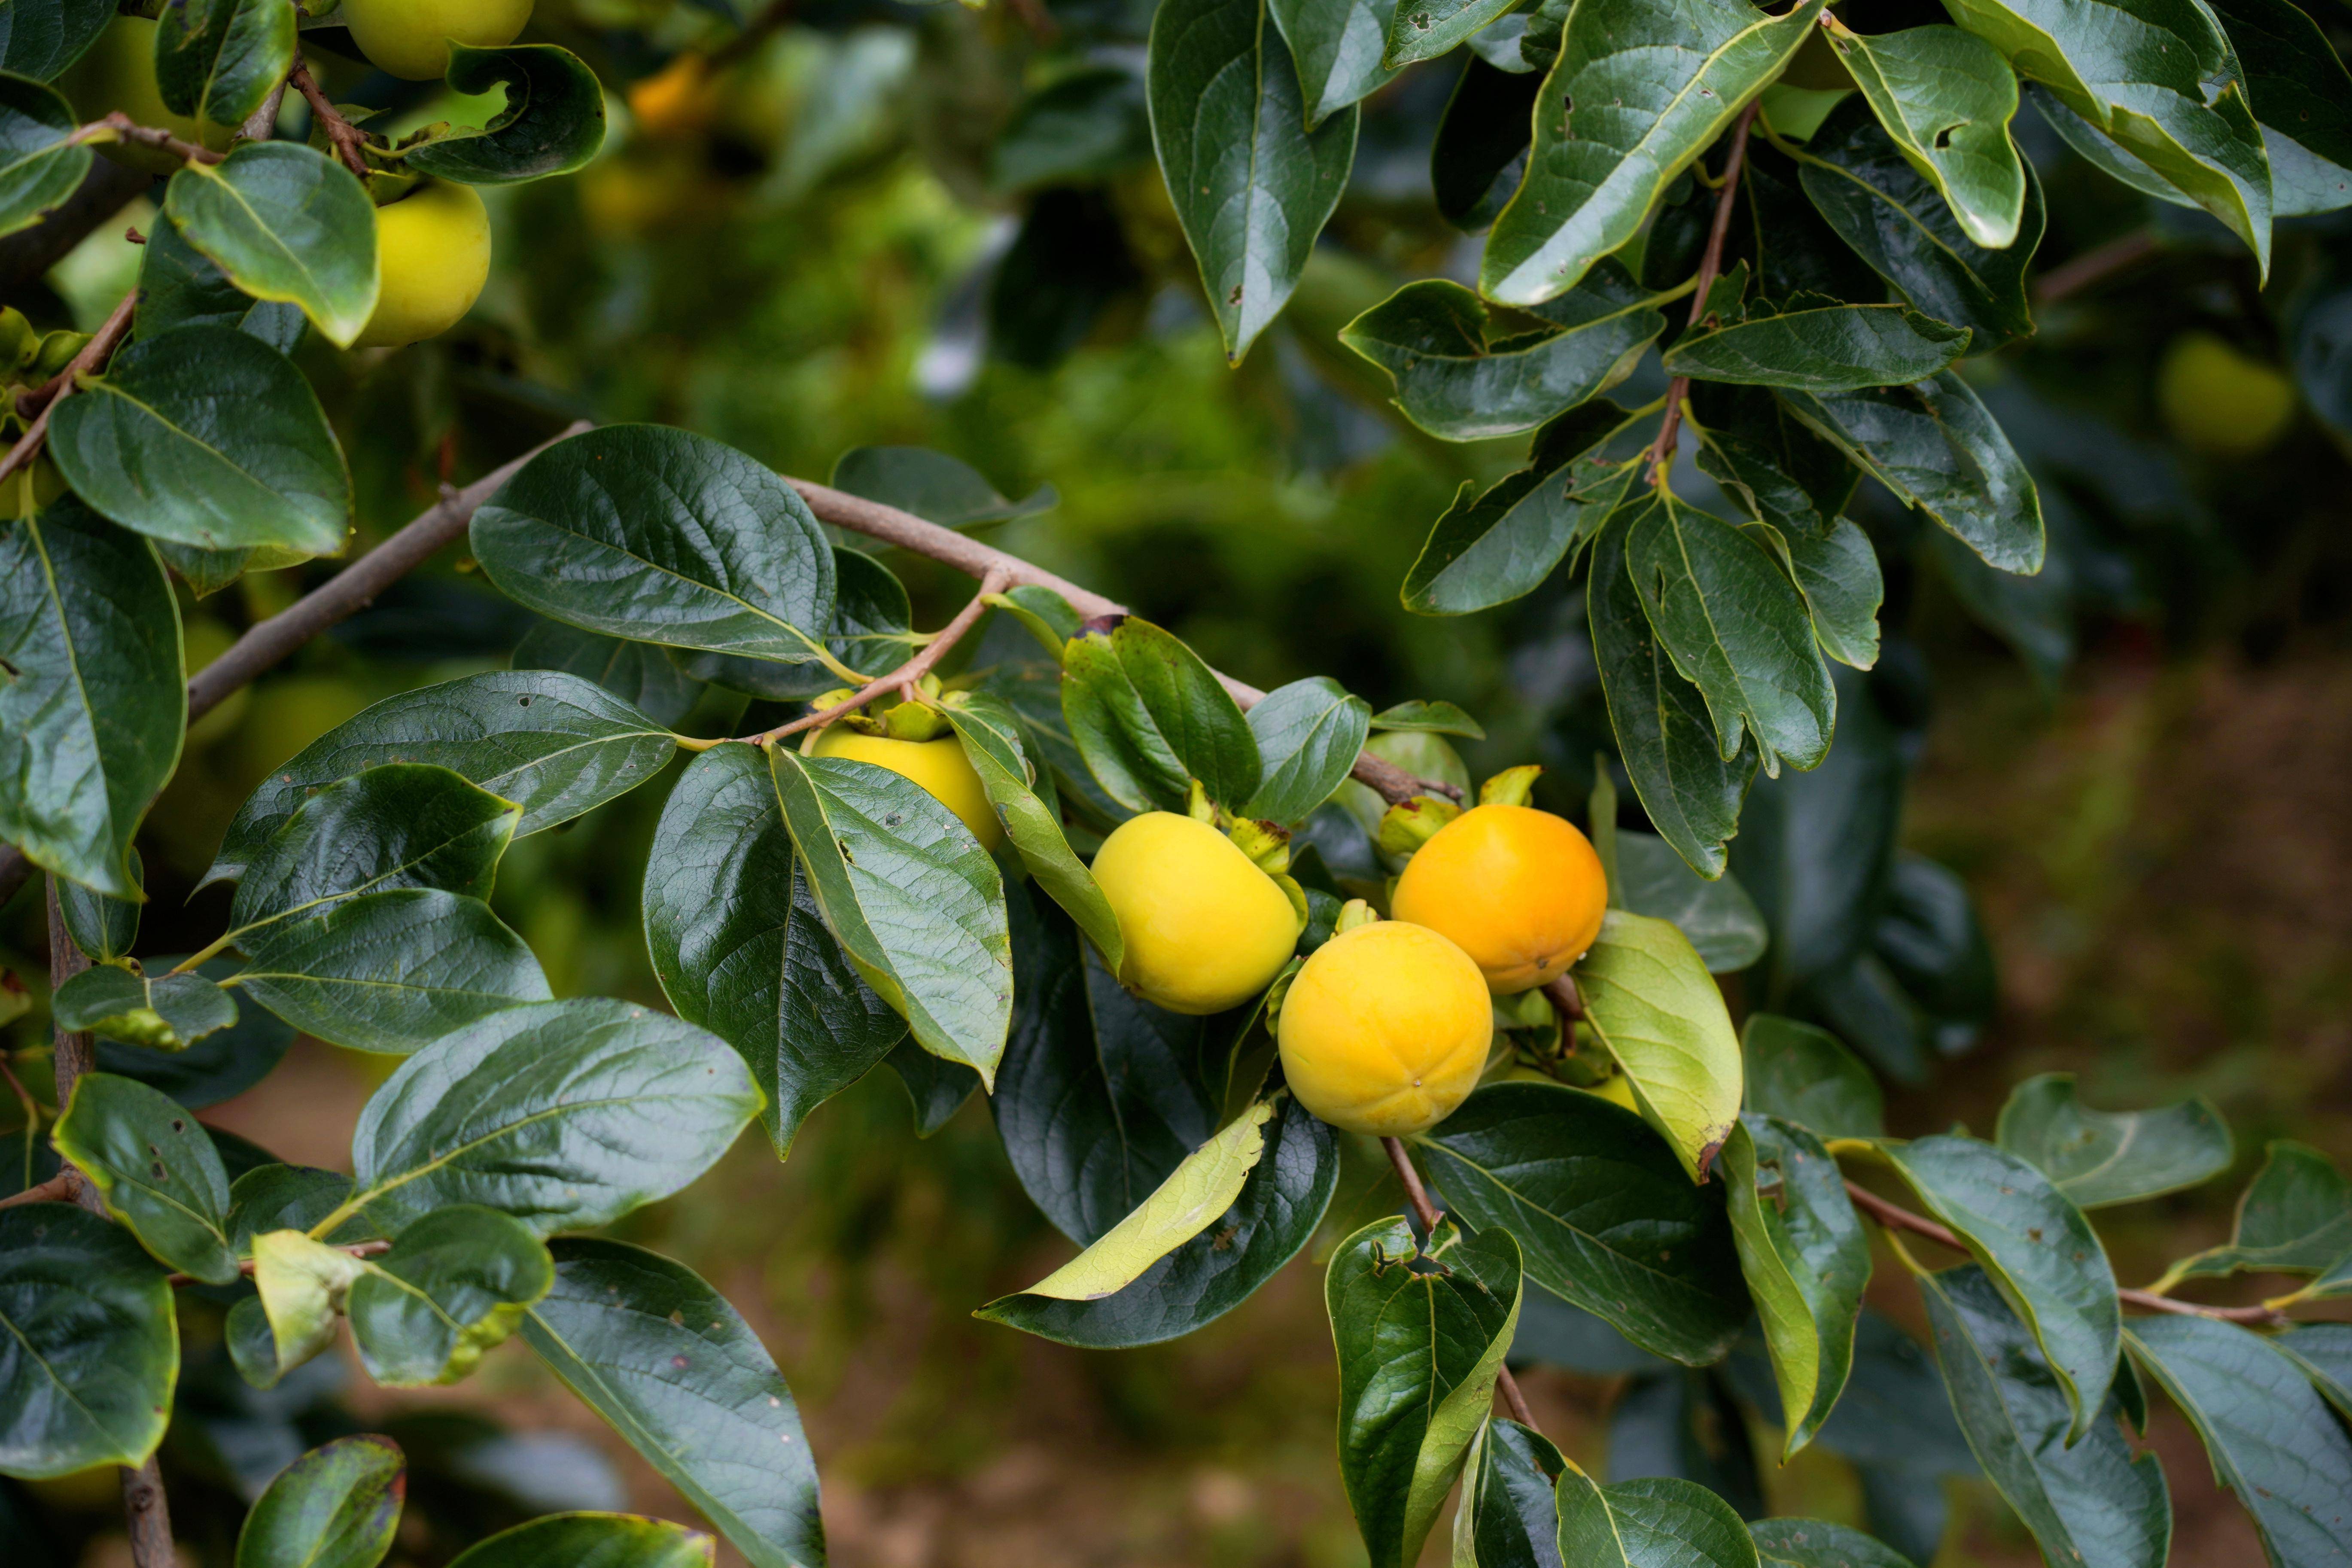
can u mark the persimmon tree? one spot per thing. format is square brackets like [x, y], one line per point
[1807, 232]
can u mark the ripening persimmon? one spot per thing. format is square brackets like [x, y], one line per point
[1386, 1029]
[1518, 890]
[411, 38]
[433, 252]
[2218, 400]
[1205, 929]
[938, 765]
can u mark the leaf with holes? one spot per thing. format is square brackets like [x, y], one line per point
[553, 121]
[167, 1013]
[1945, 97]
[155, 1167]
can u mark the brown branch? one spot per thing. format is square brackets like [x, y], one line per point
[72, 1055]
[62, 1188]
[38, 404]
[245, 1265]
[341, 595]
[1565, 1000]
[1426, 1211]
[1896, 1218]
[30, 252]
[2094, 266]
[262, 123]
[119, 127]
[1662, 451]
[901, 679]
[148, 1517]
[350, 141]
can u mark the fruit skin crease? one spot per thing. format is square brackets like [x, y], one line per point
[1386, 1029]
[1204, 928]
[939, 766]
[1520, 891]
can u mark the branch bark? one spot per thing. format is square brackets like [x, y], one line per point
[901, 679]
[350, 141]
[29, 253]
[125, 128]
[1710, 267]
[39, 403]
[1426, 1211]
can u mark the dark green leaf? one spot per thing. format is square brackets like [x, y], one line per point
[554, 744]
[168, 1011]
[1650, 1001]
[289, 1197]
[1894, 218]
[1419, 1348]
[394, 825]
[91, 1347]
[1783, 473]
[38, 167]
[552, 123]
[871, 619]
[1837, 572]
[1428, 717]
[91, 713]
[1828, 348]
[1663, 732]
[1655, 1522]
[2086, 1497]
[1804, 1074]
[178, 288]
[38, 40]
[1719, 918]
[338, 1506]
[217, 59]
[1308, 734]
[640, 674]
[2295, 1218]
[1496, 545]
[1101, 1094]
[206, 437]
[592, 1540]
[2302, 98]
[1736, 627]
[932, 485]
[1642, 91]
[1806, 1261]
[2035, 1244]
[2035, 615]
[566, 1115]
[1685, 1424]
[1935, 446]
[1252, 185]
[1481, 149]
[392, 971]
[455, 1283]
[936, 1089]
[2161, 80]
[1067, 267]
[916, 903]
[2271, 1439]
[1508, 1516]
[103, 927]
[1089, 124]
[659, 535]
[1150, 716]
[2323, 1351]
[677, 1373]
[1606, 1213]
[741, 948]
[1818, 1543]
[2103, 1157]
[219, 1067]
[1280, 1204]
[1945, 97]
[1464, 374]
[1337, 47]
[156, 1169]
[284, 222]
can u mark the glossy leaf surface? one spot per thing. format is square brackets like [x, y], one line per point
[1945, 98]
[2103, 1157]
[157, 1170]
[1720, 921]
[1150, 716]
[284, 222]
[39, 168]
[553, 121]
[1805, 1075]
[338, 1506]
[1307, 734]
[1656, 1523]
[216, 60]
[592, 1540]
[990, 733]
[166, 1011]
[1494, 545]
[453, 1285]
[1649, 997]
[1806, 1261]
[91, 1346]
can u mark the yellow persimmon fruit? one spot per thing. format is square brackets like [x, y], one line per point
[432, 246]
[2220, 401]
[410, 37]
[1520, 891]
[1204, 928]
[676, 99]
[1386, 1029]
[939, 767]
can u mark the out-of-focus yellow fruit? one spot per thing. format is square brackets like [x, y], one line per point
[33, 486]
[676, 99]
[1618, 1089]
[202, 640]
[93, 1491]
[1205, 930]
[410, 37]
[1386, 1029]
[1520, 891]
[939, 767]
[119, 72]
[2220, 401]
[434, 248]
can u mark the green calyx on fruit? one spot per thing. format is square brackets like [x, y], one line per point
[1512, 786]
[1409, 824]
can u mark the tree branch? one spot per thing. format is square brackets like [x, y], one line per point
[1896, 1218]
[901, 679]
[262, 123]
[119, 127]
[62, 1188]
[1710, 266]
[1426, 1211]
[350, 141]
[2094, 266]
[39, 403]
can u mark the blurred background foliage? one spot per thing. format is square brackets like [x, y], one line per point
[821, 228]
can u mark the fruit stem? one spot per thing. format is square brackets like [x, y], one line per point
[119, 127]
[901, 679]
[351, 142]
[1426, 1211]
[1662, 451]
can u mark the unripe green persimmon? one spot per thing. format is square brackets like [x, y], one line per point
[2218, 400]
[433, 248]
[1386, 1029]
[410, 37]
[939, 767]
[1205, 930]
[1520, 891]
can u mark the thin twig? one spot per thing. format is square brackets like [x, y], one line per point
[1896, 1218]
[1565, 999]
[62, 1188]
[262, 123]
[1710, 266]
[2094, 266]
[119, 127]
[245, 1265]
[1427, 1213]
[49, 393]
[901, 679]
[349, 140]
